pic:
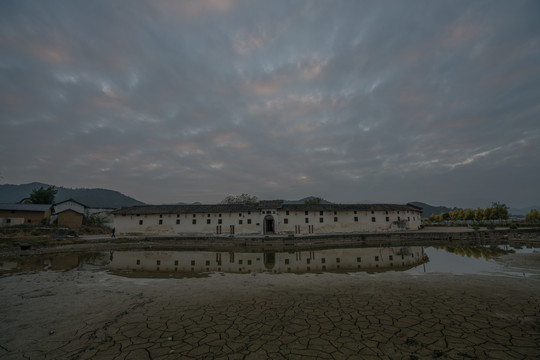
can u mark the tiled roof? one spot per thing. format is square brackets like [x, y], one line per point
[273, 204]
[25, 207]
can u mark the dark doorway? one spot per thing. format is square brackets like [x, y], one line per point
[269, 224]
[269, 260]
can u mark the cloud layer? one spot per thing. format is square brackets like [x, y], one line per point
[172, 101]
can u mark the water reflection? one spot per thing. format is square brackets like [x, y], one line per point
[59, 262]
[477, 252]
[329, 260]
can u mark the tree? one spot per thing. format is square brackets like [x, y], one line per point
[533, 215]
[313, 200]
[499, 211]
[43, 196]
[479, 214]
[240, 199]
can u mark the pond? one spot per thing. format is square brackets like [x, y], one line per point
[166, 264]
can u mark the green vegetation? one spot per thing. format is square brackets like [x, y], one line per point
[240, 199]
[497, 211]
[42, 195]
[533, 216]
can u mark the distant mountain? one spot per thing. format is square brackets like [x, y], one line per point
[523, 211]
[428, 210]
[96, 198]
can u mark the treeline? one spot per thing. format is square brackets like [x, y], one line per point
[496, 211]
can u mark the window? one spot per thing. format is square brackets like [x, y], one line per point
[286, 261]
[306, 212]
[194, 221]
[240, 214]
[356, 218]
[307, 220]
[355, 212]
[160, 222]
[323, 260]
[160, 216]
[249, 262]
[287, 212]
[249, 212]
[177, 221]
[207, 262]
[285, 221]
[29, 221]
[177, 215]
[193, 215]
[373, 219]
[140, 222]
[376, 258]
[240, 262]
[219, 221]
[308, 261]
[219, 215]
[192, 262]
[208, 221]
[158, 262]
[335, 219]
[387, 218]
[338, 260]
[358, 259]
[268, 212]
[249, 221]
[390, 257]
[386, 212]
[240, 222]
[398, 218]
[176, 262]
[321, 219]
[138, 262]
[208, 215]
[321, 213]
[8, 221]
[408, 218]
[335, 212]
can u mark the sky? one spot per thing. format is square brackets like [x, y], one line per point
[352, 101]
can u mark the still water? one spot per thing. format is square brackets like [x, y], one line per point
[164, 264]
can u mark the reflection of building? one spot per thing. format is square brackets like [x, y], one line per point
[265, 217]
[17, 214]
[295, 261]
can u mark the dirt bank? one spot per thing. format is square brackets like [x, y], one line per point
[88, 313]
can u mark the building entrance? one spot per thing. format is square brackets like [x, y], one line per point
[269, 224]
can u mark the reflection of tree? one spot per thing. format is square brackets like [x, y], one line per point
[476, 252]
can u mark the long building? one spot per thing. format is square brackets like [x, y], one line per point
[265, 217]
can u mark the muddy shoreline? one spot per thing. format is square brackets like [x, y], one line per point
[89, 313]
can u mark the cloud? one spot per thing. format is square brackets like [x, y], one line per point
[191, 100]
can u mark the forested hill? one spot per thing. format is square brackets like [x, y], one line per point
[428, 210]
[96, 198]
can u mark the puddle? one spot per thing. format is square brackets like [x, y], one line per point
[471, 260]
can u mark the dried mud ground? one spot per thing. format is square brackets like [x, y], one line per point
[88, 313]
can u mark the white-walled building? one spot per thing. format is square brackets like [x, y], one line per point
[265, 217]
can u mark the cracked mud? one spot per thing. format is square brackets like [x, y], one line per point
[88, 313]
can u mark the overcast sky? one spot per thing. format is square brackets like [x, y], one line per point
[352, 101]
